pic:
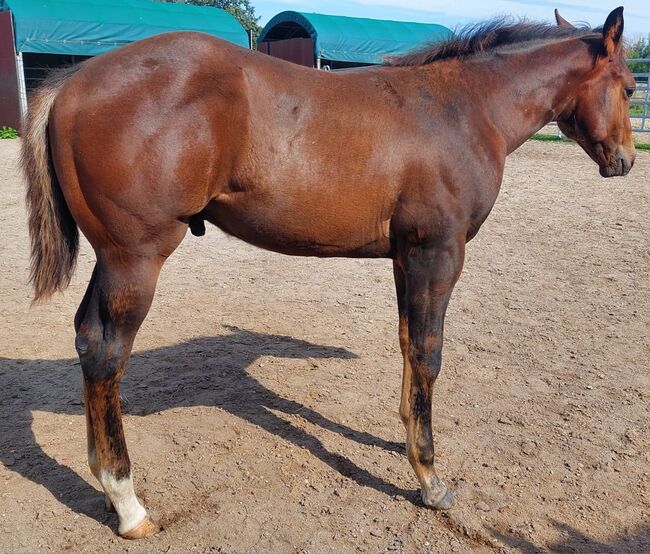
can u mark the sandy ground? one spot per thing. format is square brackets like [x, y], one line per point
[262, 396]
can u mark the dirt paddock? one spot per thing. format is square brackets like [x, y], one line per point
[262, 396]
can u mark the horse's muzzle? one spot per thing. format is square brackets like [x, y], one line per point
[619, 167]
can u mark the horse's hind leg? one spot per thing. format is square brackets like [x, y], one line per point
[431, 272]
[90, 435]
[122, 291]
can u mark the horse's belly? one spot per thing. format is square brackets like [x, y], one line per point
[346, 229]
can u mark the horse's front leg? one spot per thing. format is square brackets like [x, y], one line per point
[431, 272]
[400, 289]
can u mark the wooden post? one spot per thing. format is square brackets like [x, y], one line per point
[10, 87]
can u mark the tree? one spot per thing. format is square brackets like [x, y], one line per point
[640, 48]
[242, 10]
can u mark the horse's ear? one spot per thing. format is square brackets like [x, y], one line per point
[613, 31]
[561, 22]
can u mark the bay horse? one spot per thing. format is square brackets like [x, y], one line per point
[401, 161]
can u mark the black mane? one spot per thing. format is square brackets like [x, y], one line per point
[488, 36]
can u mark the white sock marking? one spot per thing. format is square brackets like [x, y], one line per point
[120, 492]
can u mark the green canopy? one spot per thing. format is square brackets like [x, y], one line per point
[357, 39]
[90, 27]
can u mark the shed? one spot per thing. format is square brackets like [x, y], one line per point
[37, 35]
[318, 40]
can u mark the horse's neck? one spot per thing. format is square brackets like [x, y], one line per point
[526, 89]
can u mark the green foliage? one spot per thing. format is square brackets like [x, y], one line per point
[640, 48]
[8, 133]
[242, 10]
[549, 138]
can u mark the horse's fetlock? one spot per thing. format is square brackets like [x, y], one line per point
[404, 415]
[93, 463]
[426, 456]
[412, 456]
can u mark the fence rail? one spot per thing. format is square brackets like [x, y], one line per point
[640, 102]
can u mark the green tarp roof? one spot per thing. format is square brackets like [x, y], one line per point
[90, 27]
[357, 39]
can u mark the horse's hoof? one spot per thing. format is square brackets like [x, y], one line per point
[446, 502]
[144, 529]
[439, 498]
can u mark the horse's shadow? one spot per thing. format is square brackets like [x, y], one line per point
[207, 380]
[630, 541]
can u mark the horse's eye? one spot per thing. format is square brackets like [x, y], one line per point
[629, 91]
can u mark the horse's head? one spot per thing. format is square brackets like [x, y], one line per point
[597, 117]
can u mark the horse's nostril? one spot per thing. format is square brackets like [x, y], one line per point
[626, 165]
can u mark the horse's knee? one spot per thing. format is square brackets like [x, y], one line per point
[426, 361]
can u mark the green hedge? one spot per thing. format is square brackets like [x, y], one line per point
[8, 133]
